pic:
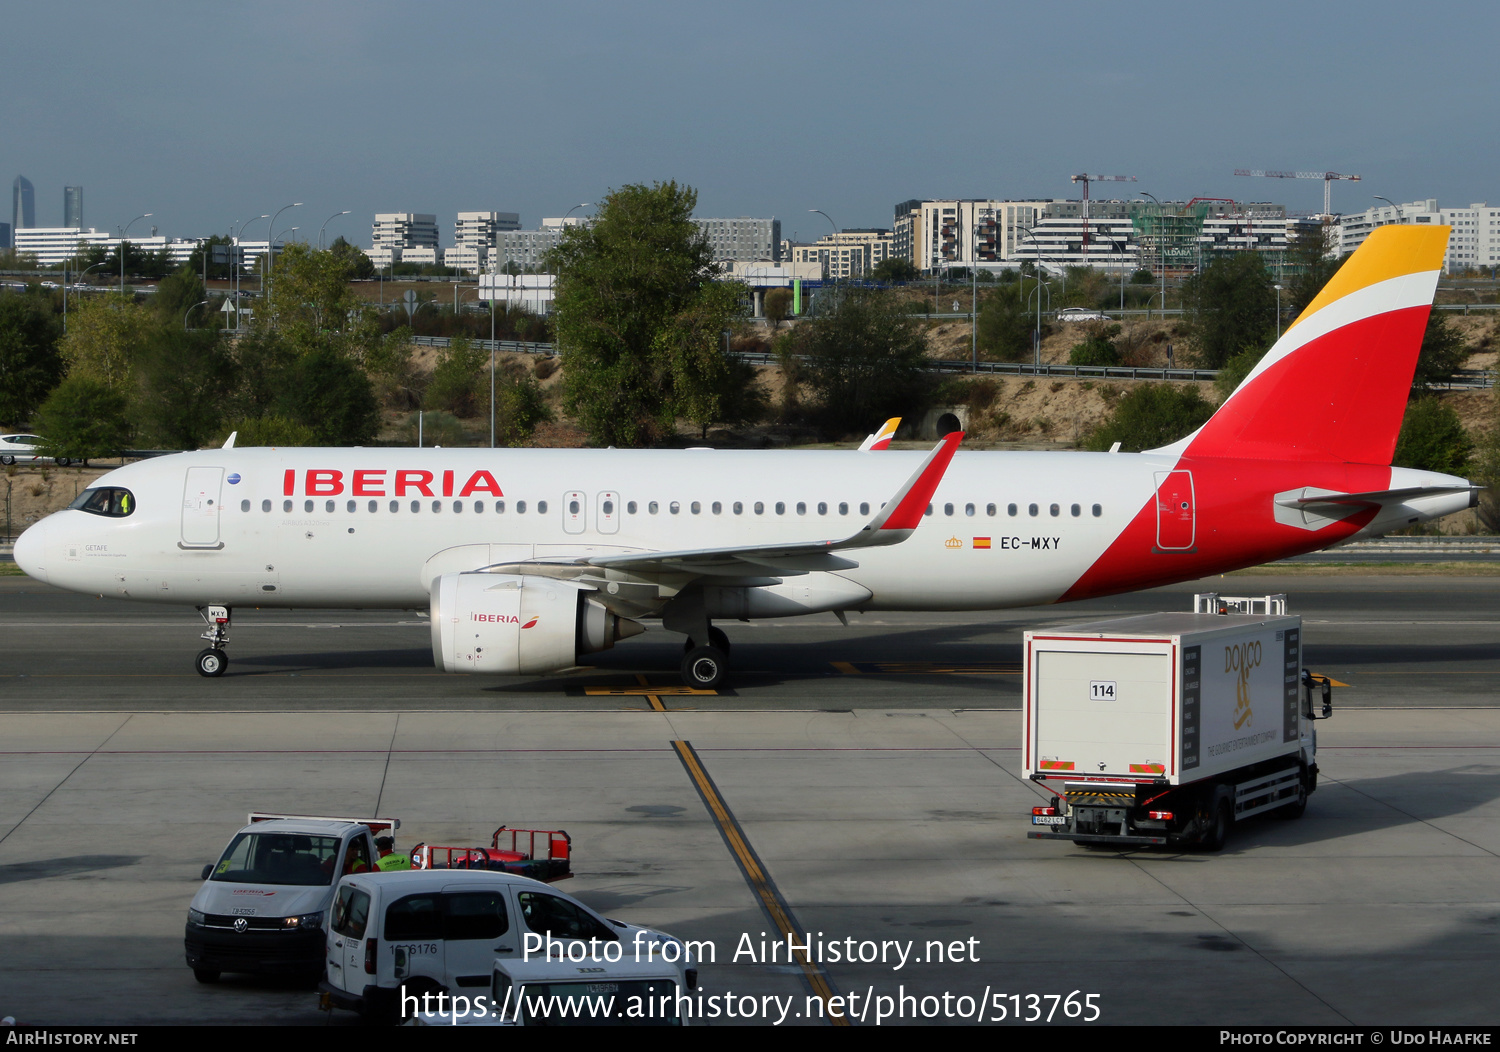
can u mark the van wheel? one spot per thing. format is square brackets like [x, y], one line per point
[205, 975]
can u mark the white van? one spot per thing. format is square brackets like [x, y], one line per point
[262, 905]
[403, 934]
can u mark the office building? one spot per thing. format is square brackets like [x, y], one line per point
[848, 254]
[22, 204]
[951, 233]
[743, 240]
[53, 245]
[73, 207]
[403, 230]
[478, 229]
[1474, 243]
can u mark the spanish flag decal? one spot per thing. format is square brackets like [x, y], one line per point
[981, 542]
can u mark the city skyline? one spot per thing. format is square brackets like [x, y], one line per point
[767, 110]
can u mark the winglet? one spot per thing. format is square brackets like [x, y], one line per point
[229, 442]
[881, 439]
[903, 512]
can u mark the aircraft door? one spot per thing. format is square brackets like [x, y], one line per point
[1176, 520]
[200, 508]
[575, 516]
[607, 517]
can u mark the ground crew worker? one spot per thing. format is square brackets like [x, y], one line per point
[389, 859]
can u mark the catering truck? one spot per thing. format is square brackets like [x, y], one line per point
[1167, 728]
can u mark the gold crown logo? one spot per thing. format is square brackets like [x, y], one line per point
[953, 542]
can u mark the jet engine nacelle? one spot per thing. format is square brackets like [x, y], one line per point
[506, 624]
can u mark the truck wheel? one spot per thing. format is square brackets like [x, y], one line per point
[1298, 804]
[1218, 833]
[205, 975]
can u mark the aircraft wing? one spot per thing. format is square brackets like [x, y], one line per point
[892, 523]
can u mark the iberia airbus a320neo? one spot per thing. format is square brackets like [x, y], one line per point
[529, 558]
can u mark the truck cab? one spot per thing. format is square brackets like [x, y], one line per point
[263, 905]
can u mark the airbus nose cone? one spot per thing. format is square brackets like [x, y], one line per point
[28, 553]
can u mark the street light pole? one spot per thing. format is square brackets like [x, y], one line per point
[271, 256]
[1393, 204]
[123, 232]
[330, 219]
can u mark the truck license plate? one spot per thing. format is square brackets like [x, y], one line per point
[1049, 820]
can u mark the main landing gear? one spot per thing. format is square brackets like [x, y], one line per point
[212, 661]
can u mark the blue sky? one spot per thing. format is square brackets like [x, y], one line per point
[207, 114]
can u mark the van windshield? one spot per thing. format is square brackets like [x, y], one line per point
[279, 858]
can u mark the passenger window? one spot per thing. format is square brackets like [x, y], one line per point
[1054, 510]
[478, 507]
[520, 507]
[416, 505]
[718, 509]
[458, 505]
[989, 509]
[352, 506]
[1032, 510]
[864, 509]
[695, 507]
[801, 508]
[549, 915]
[780, 508]
[573, 508]
[286, 505]
[630, 507]
[609, 507]
[374, 506]
[351, 911]
[541, 507]
[395, 506]
[475, 915]
[928, 511]
[1076, 510]
[947, 509]
[822, 508]
[1098, 511]
[244, 505]
[739, 508]
[265, 505]
[307, 506]
[760, 509]
[414, 917]
[674, 507]
[499, 507]
[437, 505]
[843, 507]
[651, 508]
[968, 509]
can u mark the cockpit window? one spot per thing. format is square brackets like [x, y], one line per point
[112, 501]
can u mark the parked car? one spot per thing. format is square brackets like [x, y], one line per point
[19, 449]
[1081, 314]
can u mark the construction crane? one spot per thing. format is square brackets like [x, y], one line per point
[1085, 180]
[1327, 177]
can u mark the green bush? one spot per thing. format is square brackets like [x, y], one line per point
[1098, 348]
[1151, 416]
[1433, 438]
[83, 418]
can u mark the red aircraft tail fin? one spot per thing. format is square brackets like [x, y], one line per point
[1335, 386]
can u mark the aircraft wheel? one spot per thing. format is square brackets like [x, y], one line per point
[212, 662]
[705, 668]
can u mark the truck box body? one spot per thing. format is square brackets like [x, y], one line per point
[1164, 698]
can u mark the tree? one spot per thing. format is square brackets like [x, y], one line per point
[1151, 416]
[778, 306]
[270, 430]
[456, 378]
[520, 406]
[1433, 438]
[106, 337]
[309, 294]
[636, 300]
[356, 262]
[1098, 348]
[83, 417]
[894, 269]
[1005, 326]
[866, 361]
[186, 380]
[177, 294]
[1232, 308]
[1443, 353]
[1311, 265]
[30, 365]
[327, 391]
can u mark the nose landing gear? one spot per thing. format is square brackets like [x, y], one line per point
[212, 661]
